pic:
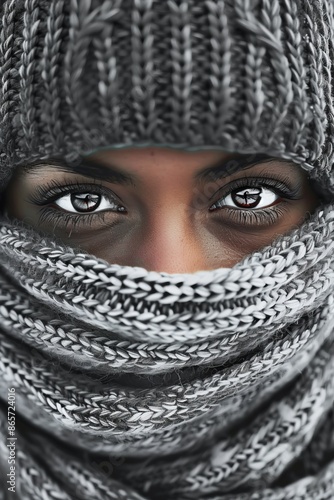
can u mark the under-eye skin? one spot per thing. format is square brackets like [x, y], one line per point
[96, 206]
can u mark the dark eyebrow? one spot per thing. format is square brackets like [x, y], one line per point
[89, 167]
[232, 165]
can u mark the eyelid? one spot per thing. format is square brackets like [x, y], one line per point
[277, 184]
[50, 192]
[105, 204]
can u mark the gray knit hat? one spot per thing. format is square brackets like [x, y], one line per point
[240, 75]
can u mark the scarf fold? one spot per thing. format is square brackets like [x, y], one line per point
[145, 385]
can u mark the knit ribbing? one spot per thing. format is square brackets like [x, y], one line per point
[264, 339]
[239, 76]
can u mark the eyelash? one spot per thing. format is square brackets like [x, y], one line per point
[264, 216]
[53, 190]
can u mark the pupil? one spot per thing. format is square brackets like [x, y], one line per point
[247, 198]
[85, 202]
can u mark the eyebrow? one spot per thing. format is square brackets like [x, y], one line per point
[232, 165]
[112, 173]
[87, 167]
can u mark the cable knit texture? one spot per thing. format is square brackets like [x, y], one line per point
[139, 385]
[89, 347]
[241, 75]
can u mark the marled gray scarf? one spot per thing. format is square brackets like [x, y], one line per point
[133, 384]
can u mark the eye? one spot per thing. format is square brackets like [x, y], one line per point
[76, 205]
[248, 197]
[250, 202]
[86, 202]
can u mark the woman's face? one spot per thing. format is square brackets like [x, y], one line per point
[162, 209]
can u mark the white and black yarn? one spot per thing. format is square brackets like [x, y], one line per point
[133, 384]
[260, 334]
[240, 75]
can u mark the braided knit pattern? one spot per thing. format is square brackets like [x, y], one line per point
[228, 372]
[141, 385]
[237, 75]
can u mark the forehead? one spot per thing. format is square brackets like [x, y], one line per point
[145, 157]
[170, 165]
[133, 166]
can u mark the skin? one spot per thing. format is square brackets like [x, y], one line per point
[166, 224]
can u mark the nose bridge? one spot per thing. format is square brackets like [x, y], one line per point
[169, 241]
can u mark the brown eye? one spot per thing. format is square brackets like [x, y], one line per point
[247, 198]
[85, 202]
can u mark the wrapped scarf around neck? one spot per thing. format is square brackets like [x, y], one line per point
[132, 384]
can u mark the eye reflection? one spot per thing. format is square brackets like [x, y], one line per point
[86, 202]
[249, 198]
[156, 211]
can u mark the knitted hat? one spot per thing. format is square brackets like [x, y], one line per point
[240, 75]
[244, 408]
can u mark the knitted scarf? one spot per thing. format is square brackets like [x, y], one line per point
[120, 383]
[137, 384]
